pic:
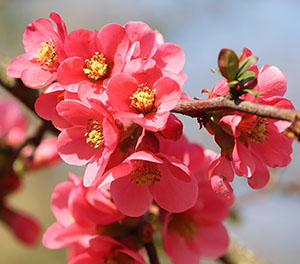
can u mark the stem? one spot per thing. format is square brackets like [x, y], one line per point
[194, 108]
[198, 107]
[27, 96]
[152, 254]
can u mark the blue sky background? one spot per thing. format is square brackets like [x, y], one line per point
[271, 29]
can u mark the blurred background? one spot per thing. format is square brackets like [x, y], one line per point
[268, 221]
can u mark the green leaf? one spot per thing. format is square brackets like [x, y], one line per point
[232, 83]
[214, 70]
[255, 93]
[245, 64]
[247, 76]
[228, 64]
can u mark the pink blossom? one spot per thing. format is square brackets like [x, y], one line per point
[148, 45]
[91, 137]
[147, 102]
[104, 250]
[43, 44]
[197, 232]
[45, 105]
[24, 227]
[145, 176]
[93, 57]
[45, 154]
[13, 122]
[80, 213]
[251, 143]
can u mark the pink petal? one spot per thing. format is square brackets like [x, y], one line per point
[40, 30]
[81, 43]
[75, 112]
[174, 195]
[59, 202]
[167, 94]
[120, 88]
[72, 146]
[276, 150]
[17, 65]
[213, 240]
[271, 82]
[242, 160]
[131, 199]
[35, 77]
[61, 27]
[112, 39]
[70, 71]
[261, 176]
[153, 121]
[221, 187]
[170, 57]
[172, 241]
[139, 31]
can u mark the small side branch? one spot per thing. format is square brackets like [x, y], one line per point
[152, 253]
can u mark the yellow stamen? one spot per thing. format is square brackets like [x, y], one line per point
[146, 173]
[96, 67]
[143, 99]
[94, 133]
[47, 54]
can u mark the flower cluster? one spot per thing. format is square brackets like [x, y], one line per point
[250, 143]
[110, 92]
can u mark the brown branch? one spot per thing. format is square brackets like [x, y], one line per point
[196, 108]
[152, 253]
[26, 95]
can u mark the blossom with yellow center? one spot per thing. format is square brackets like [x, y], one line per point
[94, 133]
[146, 173]
[47, 54]
[143, 99]
[96, 67]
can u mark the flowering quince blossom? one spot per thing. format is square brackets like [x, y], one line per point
[24, 227]
[199, 231]
[105, 250]
[13, 122]
[45, 105]
[44, 46]
[93, 57]
[147, 46]
[252, 143]
[110, 93]
[80, 213]
[145, 176]
[91, 137]
[145, 104]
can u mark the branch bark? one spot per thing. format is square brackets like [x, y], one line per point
[152, 253]
[198, 107]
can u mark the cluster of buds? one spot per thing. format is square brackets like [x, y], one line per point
[110, 93]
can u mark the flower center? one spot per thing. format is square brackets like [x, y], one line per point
[255, 128]
[143, 99]
[47, 54]
[146, 173]
[184, 224]
[94, 133]
[96, 67]
[60, 97]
